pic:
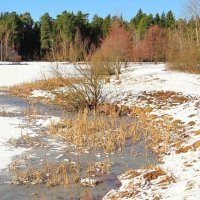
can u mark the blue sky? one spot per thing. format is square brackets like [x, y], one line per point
[128, 8]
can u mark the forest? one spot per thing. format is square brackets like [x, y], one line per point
[73, 37]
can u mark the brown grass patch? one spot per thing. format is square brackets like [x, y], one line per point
[110, 133]
[191, 123]
[197, 132]
[157, 130]
[193, 147]
[132, 174]
[127, 194]
[166, 181]
[25, 89]
[156, 198]
[154, 174]
[51, 175]
[112, 110]
[163, 99]
[7, 114]
[196, 145]
[92, 132]
[183, 149]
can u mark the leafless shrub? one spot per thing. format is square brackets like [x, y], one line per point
[184, 51]
[87, 92]
[116, 47]
[184, 54]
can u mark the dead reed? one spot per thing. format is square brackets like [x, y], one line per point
[92, 132]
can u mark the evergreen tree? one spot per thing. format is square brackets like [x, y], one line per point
[46, 33]
[97, 30]
[149, 20]
[106, 25]
[65, 27]
[139, 16]
[15, 30]
[163, 20]
[170, 19]
[37, 44]
[157, 20]
[28, 36]
[82, 23]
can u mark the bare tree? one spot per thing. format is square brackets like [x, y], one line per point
[116, 46]
[193, 11]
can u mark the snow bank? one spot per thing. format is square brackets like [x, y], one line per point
[184, 167]
[150, 77]
[10, 128]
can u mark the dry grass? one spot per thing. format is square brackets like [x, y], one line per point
[98, 168]
[109, 133]
[7, 114]
[63, 174]
[51, 175]
[163, 99]
[92, 132]
[197, 132]
[27, 141]
[192, 147]
[152, 175]
[60, 174]
[153, 178]
[112, 110]
[25, 89]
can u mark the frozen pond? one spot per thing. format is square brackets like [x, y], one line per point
[56, 151]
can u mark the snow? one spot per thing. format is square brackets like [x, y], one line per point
[13, 128]
[149, 77]
[185, 176]
[88, 182]
[12, 73]
[136, 79]
[10, 128]
[41, 93]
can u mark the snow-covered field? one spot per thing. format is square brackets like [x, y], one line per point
[184, 167]
[14, 126]
[134, 80]
[11, 74]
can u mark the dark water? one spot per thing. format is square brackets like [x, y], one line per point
[57, 151]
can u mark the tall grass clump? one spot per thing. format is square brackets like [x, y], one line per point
[92, 132]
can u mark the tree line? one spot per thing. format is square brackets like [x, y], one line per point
[72, 37]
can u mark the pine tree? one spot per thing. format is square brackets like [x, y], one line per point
[157, 20]
[28, 37]
[15, 29]
[106, 25]
[170, 19]
[46, 33]
[97, 30]
[163, 20]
